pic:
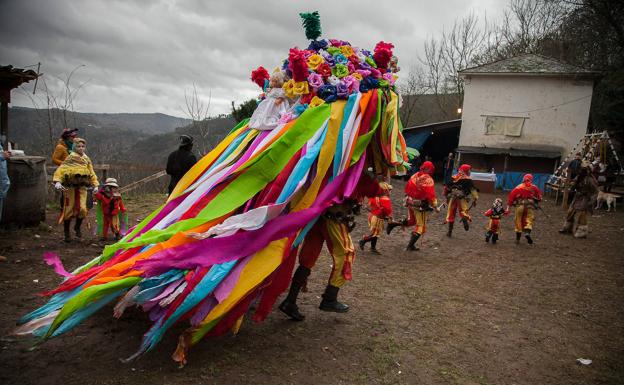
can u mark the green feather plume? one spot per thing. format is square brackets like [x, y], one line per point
[311, 24]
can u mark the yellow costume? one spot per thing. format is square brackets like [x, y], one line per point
[75, 174]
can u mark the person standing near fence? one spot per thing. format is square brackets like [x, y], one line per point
[180, 161]
[73, 177]
[64, 146]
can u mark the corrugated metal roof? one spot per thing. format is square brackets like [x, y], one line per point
[510, 151]
[528, 64]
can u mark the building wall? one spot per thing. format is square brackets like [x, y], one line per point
[556, 111]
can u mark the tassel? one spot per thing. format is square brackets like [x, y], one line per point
[311, 24]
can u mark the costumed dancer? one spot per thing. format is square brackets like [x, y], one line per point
[585, 191]
[73, 177]
[333, 229]
[420, 199]
[380, 212]
[458, 194]
[525, 197]
[495, 213]
[110, 209]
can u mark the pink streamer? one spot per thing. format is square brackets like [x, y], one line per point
[54, 260]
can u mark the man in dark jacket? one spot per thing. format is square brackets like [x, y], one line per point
[180, 161]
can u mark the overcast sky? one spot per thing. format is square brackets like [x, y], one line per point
[141, 56]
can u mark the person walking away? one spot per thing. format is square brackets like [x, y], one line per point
[180, 161]
[73, 177]
[525, 197]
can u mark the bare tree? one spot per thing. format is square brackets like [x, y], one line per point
[197, 110]
[411, 89]
[55, 105]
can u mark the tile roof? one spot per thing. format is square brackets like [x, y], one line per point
[527, 64]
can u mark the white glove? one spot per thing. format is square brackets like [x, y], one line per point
[59, 186]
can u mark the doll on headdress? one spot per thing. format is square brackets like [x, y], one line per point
[267, 115]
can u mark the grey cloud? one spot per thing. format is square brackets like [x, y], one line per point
[140, 56]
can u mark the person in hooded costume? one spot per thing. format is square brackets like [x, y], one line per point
[585, 190]
[420, 199]
[525, 197]
[459, 192]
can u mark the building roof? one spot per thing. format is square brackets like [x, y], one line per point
[10, 78]
[455, 123]
[531, 153]
[528, 64]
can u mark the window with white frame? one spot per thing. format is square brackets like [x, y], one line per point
[504, 125]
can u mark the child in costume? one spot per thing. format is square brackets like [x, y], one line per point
[380, 211]
[267, 115]
[495, 213]
[73, 177]
[110, 209]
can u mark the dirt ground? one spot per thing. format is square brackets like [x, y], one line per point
[459, 311]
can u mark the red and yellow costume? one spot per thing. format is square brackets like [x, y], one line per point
[380, 211]
[111, 205]
[524, 197]
[495, 213]
[420, 199]
[458, 194]
[75, 174]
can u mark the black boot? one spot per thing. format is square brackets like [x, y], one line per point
[518, 235]
[330, 301]
[374, 245]
[392, 225]
[527, 235]
[450, 229]
[488, 235]
[66, 225]
[494, 238]
[77, 227]
[289, 305]
[363, 241]
[466, 224]
[411, 246]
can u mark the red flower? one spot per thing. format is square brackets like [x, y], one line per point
[324, 70]
[298, 65]
[383, 54]
[259, 75]
[384, 45]
[307, 98]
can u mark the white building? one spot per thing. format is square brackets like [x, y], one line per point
[522, 115]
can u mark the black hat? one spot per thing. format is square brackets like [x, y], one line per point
[69, 133]
[185, 140]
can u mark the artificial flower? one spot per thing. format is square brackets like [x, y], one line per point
[289, 89]
[342, 90]
[298, 65]
[333, 80]
[340, 70]
[259, 75]
[301, 88]
[305, 99]
[333, 50]
[329, 59]
[351, 82]
[371, 62]
[327, 92]
[299, 109]
[341, 59]
[315, 80]
[286, 117]
[375, 73]
[357, 76]
[316, 101]
[317, 45]
[389, 78]
[346, 50]
[383, 83]
[364, 73]
[324, 70]
[314, 61]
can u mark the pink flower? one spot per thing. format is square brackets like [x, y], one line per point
[352, 83]
[315, 80]
[364, 73]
